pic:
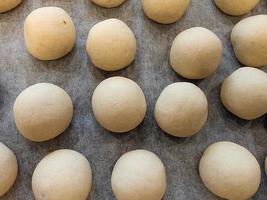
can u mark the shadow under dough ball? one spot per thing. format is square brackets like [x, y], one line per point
[6, 5]
[111, 45]
[49, 33]
[42, 112]
[108, 3]
[249, 40]
[230, 171]
[196, 53]
[243, 93]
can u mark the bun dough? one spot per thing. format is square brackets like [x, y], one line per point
[119, 104]
[249, 40]
[111, 45]
[63, 174]
[137, 175]
[165, 11]
[243, 93]
[49, 33]
[108, 3]
[196, 53]
[236, 7]
[8, 169]
[42, 111]
[181, 109]
[6, 5]
[230, 171]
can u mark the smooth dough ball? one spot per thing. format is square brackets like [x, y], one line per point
[196, 53]
[165, 11]
[63, 174]
[6, 5]
[49, 33]
[249, 40]
[244, 94]
[42, 112]
[181, 109]
[139, 175]
[236, 7]
[230, 171]
[119, 104]
[111, 45]
[8, 169]
[108, 3]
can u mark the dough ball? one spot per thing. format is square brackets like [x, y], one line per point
[119, 104]
[42, 112]
[243, 93]
[63, 174]
[165, 11]
[111, 45]
[236, 7]
[137, 175]
[49, 33]
[249, 40]
[6, 5]
[8, 169]
[196, 53]
[230, 171]
[108, 3]
[181, 109]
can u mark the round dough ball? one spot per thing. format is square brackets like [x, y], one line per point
[243, 93]
[181, 109]
[6, 5]
[42, 112]
[49, 33]
[111, 45]
[137, 175]
[63, 174]
[108, 3]
[165, 11]
[249, 40]
[196, 53]
[236, 7]
[8, 169]
[230, 171]
[119, 104]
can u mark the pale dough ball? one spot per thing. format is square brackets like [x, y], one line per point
[181, 109]
[111, 45]
[230, 171]
[236, 7]
[49, 33]
[42, 112]
[108, 3]
[165, 11]
[139, 175]
[249, 40]
[119, 104]
[196, 53]
[8, 169]
[244, 94]
[63, 174]
[6, 5]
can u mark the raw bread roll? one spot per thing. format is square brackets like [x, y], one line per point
[196, 53]
[165, 11]
[8, 169]
[108, 3]
[181, 109]
[63, 174]
[249, 40]
[6, 5]
[236, 7]
[244, 94]
[42, 111]
[119, 104]
[137, 175]
[111, 45]
[230, 171]
[49, 33]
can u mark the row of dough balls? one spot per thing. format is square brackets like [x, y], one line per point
[227, 170]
